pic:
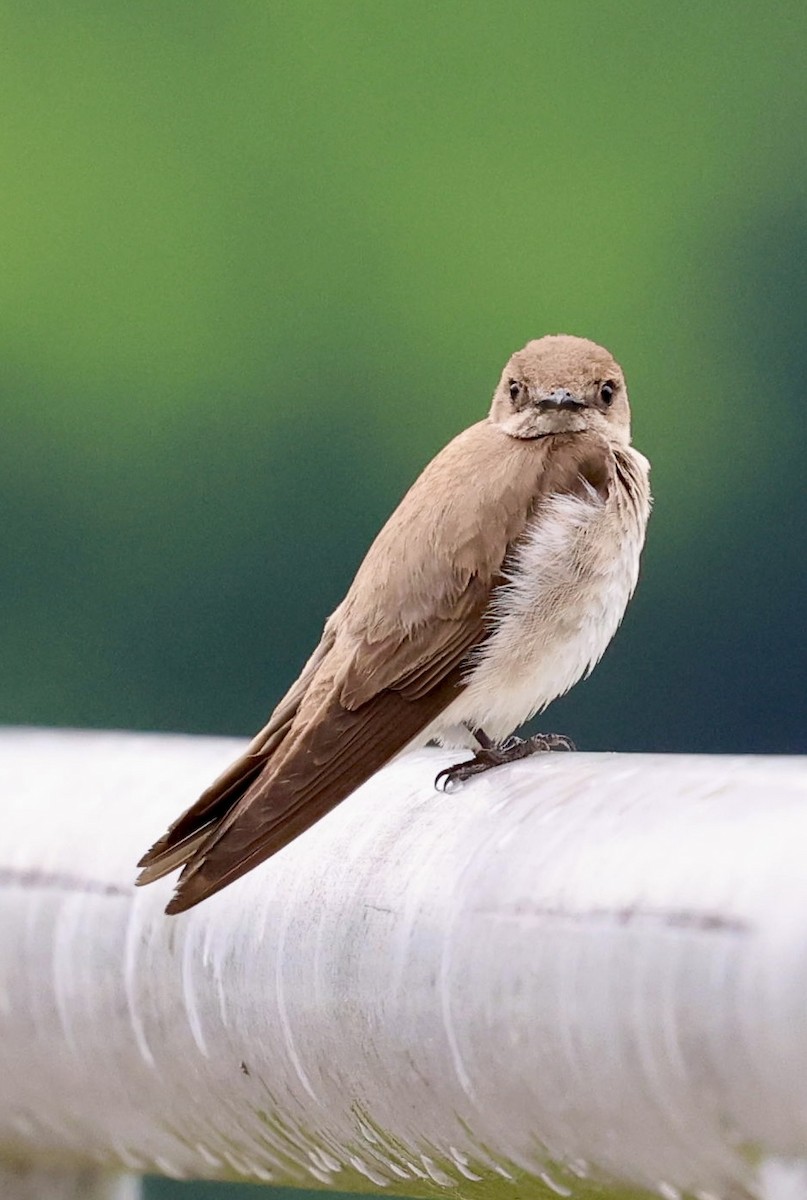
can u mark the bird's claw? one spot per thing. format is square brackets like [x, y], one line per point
[539, 742]
[483, 760]
[495, 756]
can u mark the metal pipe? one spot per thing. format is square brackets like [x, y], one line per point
[575, 967]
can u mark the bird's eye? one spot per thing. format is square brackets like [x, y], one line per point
[516, 389]
[607, 392]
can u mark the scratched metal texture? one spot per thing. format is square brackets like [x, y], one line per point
[576, 969]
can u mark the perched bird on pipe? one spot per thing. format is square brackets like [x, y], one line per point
[495, 585]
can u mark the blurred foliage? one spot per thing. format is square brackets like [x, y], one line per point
[261, 260]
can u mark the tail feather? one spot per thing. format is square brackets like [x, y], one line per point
[316, 769]
[162, 860]
[189, 832]
[194, 827]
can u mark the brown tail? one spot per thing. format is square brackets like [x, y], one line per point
[263, 804]
[187, 834]
[197, 823]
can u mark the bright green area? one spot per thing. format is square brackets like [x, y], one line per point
[261, 259]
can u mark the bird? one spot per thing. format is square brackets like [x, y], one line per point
[496, 584]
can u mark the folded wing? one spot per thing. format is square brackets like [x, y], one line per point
[391, 657]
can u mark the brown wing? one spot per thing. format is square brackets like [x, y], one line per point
[419, 599]
[400, 640]
[333, 756]
[192, 828]
[329, 751]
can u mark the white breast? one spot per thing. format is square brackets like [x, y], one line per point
[567, 590]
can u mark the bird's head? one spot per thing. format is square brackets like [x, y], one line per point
[562, 384]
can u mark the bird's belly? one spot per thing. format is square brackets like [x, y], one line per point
[567, 591]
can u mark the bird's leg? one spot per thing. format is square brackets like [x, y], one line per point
[492, 755]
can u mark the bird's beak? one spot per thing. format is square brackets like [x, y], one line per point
[560, 398]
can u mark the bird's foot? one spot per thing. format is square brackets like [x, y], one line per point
[495, 756]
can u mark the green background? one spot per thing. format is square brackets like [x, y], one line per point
[261, 260]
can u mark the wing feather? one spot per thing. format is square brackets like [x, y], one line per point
[337, 754]
[392, 656]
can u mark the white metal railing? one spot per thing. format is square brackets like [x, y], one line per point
[579, 966]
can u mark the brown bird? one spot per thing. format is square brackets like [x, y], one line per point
[495, 585]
